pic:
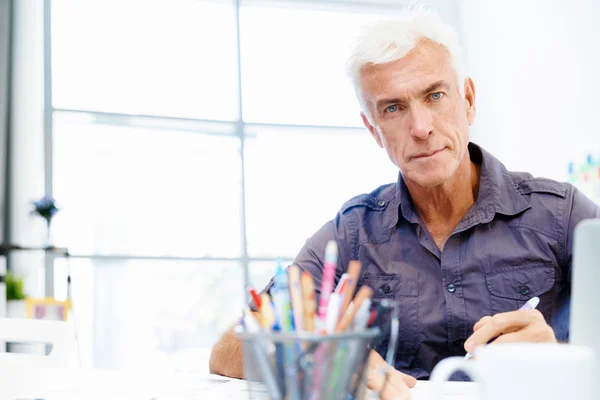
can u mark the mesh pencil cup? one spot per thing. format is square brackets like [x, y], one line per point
[306, 366]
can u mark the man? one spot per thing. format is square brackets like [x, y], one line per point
[458, 242]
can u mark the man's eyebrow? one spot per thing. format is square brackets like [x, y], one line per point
[384, 102]
[435, 86]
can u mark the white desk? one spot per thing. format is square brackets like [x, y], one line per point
[54, 384]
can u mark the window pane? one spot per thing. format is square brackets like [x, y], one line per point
[147, 312]
[127, 190]
[261, 272]
[297, 75]
[141, 57]
[297, 180]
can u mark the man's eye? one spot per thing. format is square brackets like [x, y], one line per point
[391, 109]
[436, 96]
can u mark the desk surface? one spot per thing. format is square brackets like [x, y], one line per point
[55, 384]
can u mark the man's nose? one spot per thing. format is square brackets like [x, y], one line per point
[420, 122]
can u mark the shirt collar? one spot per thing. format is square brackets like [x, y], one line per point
[497, 192]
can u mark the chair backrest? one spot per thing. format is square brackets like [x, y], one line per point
[59, 334]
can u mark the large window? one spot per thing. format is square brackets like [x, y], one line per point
[183, 155]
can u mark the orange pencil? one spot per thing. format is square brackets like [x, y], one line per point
[364, 293]
[267, 315]
[309, 302]
[296, 297]
[353, 271]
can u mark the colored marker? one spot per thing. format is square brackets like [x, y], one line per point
[281, 299]
[329, 268]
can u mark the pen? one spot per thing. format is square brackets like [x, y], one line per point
[530, 305]
[281, 297]
[379, 311]
[329, 268]
[341, 284]
[256, 299]
[333, 310]
[296, 296]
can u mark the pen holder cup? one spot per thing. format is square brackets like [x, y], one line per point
[306, 366]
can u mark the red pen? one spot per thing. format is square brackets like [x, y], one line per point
[341, 284]
[256, 299]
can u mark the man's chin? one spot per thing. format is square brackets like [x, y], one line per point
[429, 180]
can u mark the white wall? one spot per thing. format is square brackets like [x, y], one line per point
[535, 65]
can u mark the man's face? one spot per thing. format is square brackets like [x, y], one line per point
[418, 114]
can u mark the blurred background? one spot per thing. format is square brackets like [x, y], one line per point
[189, 141]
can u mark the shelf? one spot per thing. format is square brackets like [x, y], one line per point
[7, 248]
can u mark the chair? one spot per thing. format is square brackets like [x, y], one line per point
[60, 334]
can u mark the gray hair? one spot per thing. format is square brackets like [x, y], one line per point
[386, 41]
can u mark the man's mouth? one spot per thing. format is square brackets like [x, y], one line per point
[427, 154]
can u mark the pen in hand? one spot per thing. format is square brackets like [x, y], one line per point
[530, 305]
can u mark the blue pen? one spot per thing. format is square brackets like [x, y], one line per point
[281, 298]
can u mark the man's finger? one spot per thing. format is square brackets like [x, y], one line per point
[376, 381]
[410, 381]
[501, 324]
[534, 333]
[481, 322]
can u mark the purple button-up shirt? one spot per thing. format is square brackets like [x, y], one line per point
[513, 244]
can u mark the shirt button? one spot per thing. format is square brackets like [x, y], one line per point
[381, 203]
[524, 290]
[458, 342]
[386, 288]
[452, 288]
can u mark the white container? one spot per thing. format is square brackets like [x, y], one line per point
[16, 309]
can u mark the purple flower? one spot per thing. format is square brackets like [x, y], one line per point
[45, 208]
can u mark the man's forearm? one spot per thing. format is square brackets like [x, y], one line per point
[226, 357]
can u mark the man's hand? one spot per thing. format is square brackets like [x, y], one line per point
[511, 327]
[397, 385]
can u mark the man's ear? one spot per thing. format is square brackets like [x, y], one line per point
[470, 100]
[371, 129]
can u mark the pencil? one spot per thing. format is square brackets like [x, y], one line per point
[353, 271]
[309, 302]
[364, 293]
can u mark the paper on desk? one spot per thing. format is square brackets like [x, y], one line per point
[236, 389]
[424, 390]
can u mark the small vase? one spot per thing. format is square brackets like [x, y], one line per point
[16, 309]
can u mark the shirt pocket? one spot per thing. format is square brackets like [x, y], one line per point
[512, 287]
[405, 294]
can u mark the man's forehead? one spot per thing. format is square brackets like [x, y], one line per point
[421, 67]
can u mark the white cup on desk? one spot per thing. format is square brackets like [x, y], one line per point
[525, 371]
